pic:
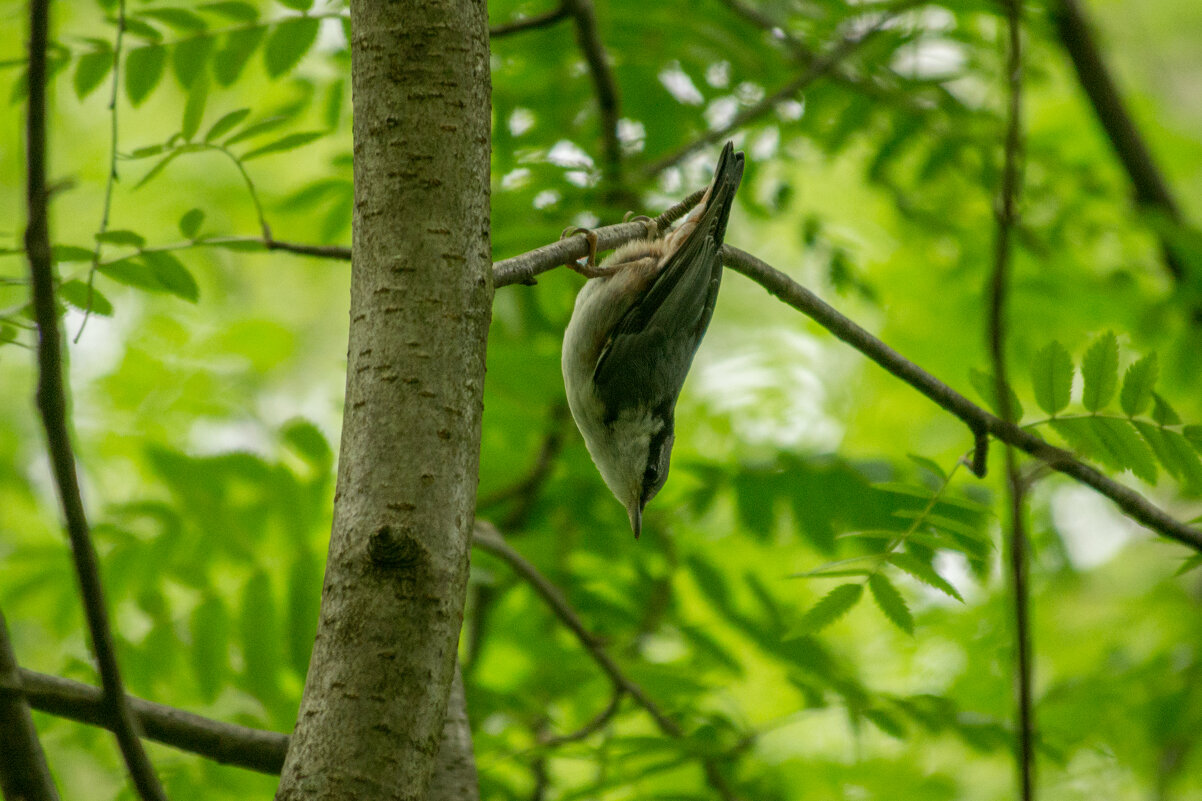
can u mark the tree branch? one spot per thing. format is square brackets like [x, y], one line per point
[592, 727]
[52, 404]
[589, 40]
[23, 770]
[522, 268]
[996, 331]
[528, 23]
[487, 538]
[337, 252]
[977, 419]
[1151, 188]
[227, 743]
[815, 68]
[526, 489]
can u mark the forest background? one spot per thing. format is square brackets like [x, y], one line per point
[822, 604]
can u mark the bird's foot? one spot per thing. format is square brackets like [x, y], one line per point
[648, 223]
[589, 268]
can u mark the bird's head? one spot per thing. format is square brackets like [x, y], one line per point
[633, 457]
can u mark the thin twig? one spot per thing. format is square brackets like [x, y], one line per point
[525, 491]
[800, 52]
[1151, 188]
[52, 404]
[1017, 539]
[528, 23]
[589, 40]
[595, 725]
[227, 743]
[487, 538]
[814, 70]
[337, 252]
[977, 419]
[24, 773]
[112, 176]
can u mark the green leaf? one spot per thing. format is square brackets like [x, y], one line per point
[131, 272]
[181, 19]
[254, 129]
[1052, 377]
[237, 11]
[886, 722]
[924, 573]
[304, 604]
[210, 627]
[234, 54]
[1193, 563]
[1100, 368]
[288, 43]
[122, 237]
[189, 224]
[900, 488]
[891, 602]
[259, 630]
[143, 70]
[194, 108]
[1174, 453]
[834, 605]
[986, 386]
[1193, 433]
[298, 5]
[333, 107]
[91, 70]
[226, 124]
[308, 441]
[142, 29]
[145, 152]
[289, 142]
[930, 465]
[163, 162]
[67, 253]
[1162, 412]
[1122, 440]
[189, 57]
[1111, 441]
[172, 275]
[1138, 382]
[77, 293]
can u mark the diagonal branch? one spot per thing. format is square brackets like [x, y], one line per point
[1017, 540]
[52, 404]
[23, 770]
[606, 87]
[977, 419]
[1151, 189]
[543, 20]
[816, 67]
[487, 538]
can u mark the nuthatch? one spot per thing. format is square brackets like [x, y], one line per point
[637, 324]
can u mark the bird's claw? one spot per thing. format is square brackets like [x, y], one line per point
[589, 268]
[651, 225]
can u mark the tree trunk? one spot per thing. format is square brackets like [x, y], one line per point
[371, 719]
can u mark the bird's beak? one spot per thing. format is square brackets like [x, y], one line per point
[636, 520]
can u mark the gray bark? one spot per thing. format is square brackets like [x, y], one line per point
[455, 770]
[371, 719]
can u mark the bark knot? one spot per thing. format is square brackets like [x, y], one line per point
[391, 548]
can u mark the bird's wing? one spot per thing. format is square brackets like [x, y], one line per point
[651, 348]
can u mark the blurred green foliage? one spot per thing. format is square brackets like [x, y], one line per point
[818, 596]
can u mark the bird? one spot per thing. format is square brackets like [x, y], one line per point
[634, 330]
